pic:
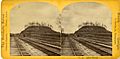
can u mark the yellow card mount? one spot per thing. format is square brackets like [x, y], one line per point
[60, 29]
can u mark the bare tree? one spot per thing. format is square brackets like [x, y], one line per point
[51, 26]
[26, 26]
[79, 26]
[59, 23]
[37, 24]
[104, 26]
[91, 24]
[87, 23]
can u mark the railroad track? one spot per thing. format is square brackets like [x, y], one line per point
[53, 50]
[101, 43]
[98, 43]
[21, 49]
[100, 39]
[46, 48]
[74, 49]
[46, 43]
[55, 44]
[69, 48]
[102, 50]
[83, 50]
[66, 50]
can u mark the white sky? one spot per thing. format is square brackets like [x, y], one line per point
[77, 13]
[32, 12]
[72, 15]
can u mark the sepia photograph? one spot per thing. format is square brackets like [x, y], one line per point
[40, 29]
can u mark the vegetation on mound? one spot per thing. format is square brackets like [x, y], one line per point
[35, 29]
[90, 27]
[42, 24]
[92, 24]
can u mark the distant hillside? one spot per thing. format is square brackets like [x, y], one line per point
[97, 30]
[93, 29]
[42, 33]
[38, 31]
